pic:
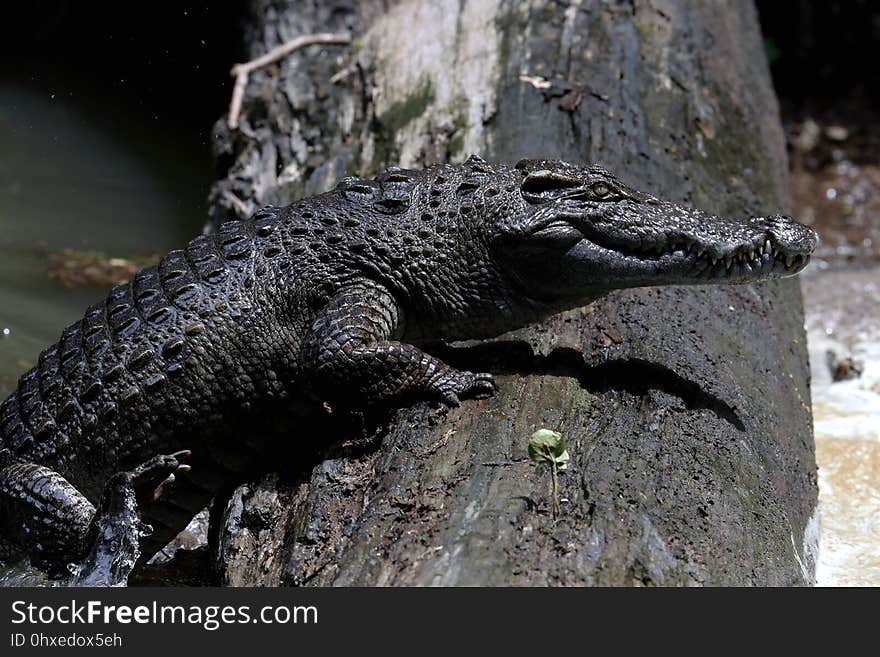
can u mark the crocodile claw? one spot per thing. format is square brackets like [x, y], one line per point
[466, 385]
[482, 386]
[150, 477]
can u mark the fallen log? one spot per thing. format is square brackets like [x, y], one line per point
[686, 411]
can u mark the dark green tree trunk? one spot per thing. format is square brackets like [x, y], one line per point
[686, 410]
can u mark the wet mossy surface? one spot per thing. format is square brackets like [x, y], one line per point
[398, 115]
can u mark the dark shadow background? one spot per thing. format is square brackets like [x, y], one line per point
[823, 52]
[164, 62]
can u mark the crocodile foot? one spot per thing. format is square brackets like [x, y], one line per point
[149, 478]
[465, 385]
[116, 529]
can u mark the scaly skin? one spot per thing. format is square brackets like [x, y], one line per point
[332, 296]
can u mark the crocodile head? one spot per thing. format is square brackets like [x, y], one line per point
[576, 232]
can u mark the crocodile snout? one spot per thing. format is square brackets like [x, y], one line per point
[790, 236]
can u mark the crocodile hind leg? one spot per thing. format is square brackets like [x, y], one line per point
[351, 347]
[116, 529]
[43, 515]
[51, 521]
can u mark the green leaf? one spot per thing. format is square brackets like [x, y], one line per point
[562, 460]
[546, 446]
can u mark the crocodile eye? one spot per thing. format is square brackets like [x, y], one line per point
[600, 189]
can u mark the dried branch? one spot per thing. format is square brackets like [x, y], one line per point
[241, 71]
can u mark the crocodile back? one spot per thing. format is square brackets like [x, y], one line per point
[172, 351]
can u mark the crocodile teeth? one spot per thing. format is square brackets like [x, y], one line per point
[768, 248]
[728, 261]
[714, 261]
[751, 254]
[789, 260]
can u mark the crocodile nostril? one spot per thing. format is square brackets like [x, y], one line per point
[791, 237]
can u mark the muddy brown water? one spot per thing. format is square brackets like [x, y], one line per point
[842, 312]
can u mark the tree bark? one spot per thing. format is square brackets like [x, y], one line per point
[686, 411]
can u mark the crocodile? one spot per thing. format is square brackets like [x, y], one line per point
[208, 357]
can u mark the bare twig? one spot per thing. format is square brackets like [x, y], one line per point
[241, 71]
[241, 207]
[537, 81]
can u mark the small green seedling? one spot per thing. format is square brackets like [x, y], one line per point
[548, 447]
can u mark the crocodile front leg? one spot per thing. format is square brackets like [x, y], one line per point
[350, 346]
[47, 517]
